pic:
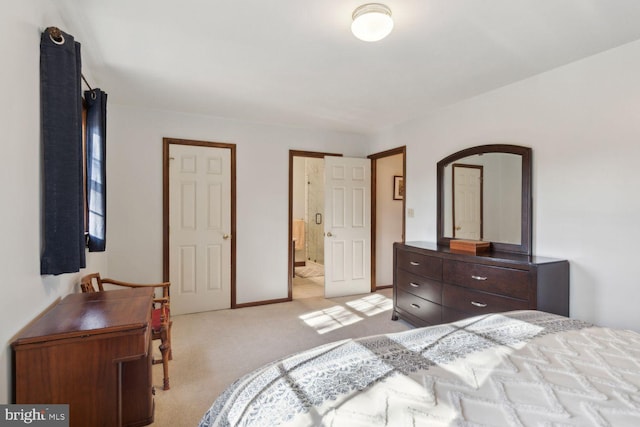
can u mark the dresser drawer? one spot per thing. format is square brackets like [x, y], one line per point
[498, 280]
[420, 286]
[474, 302]
[450, 315]
[419, 264]
[418, 307]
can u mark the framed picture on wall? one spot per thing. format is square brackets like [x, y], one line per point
[398, 187]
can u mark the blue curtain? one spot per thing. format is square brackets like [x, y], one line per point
[96, 101]
[61, 126]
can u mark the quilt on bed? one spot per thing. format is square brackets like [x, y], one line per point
[524, 368]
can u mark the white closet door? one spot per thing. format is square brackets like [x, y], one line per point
[199, 228]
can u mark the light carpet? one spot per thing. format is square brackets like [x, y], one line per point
[212, 349]
[306, 287]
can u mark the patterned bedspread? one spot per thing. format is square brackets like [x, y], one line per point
[524, 368]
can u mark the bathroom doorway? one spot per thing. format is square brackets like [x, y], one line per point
[306, 213]
[307, 227]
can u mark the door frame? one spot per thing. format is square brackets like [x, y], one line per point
[374, 158]
[166, 142]
[291, 266]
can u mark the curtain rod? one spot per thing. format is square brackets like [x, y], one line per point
[86, 82]
[55, 34]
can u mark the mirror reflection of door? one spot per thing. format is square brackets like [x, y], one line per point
[467, 201]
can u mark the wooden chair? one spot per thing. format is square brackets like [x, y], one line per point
[160, 315]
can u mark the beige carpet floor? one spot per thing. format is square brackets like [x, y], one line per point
[307, 287]
[212, 349]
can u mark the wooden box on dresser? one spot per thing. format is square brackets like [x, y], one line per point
[432, 284]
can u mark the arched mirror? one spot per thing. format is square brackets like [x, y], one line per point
[484, 193]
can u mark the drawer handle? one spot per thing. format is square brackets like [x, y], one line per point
[414, 263]
[478, 304]
[414, 285]
[478, 277]
[415, 305]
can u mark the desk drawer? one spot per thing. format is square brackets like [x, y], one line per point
[418, 307]
[497, 280]
[474, 302]
[419, 264]
[420, 286]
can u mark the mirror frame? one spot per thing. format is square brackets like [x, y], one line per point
[526, 195]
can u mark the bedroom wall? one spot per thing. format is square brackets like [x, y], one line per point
[23, 292]
[134, 168]
[583, 123]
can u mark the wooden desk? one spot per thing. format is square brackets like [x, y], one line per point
[93, 352]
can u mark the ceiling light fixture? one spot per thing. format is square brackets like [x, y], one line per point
[372, 22]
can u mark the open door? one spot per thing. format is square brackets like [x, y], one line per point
[347, 226]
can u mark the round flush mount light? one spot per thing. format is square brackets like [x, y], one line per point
[372, 22]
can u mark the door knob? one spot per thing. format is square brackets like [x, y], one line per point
[329, 234]
[458, 228]
[226, 236]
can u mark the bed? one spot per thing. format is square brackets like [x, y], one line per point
[521, 368]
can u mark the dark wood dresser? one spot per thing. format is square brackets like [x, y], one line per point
[91, 351]
[433, 284]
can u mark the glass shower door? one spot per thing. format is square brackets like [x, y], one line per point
[315, 210]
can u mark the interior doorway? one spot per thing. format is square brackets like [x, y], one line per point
[199, 209]
[381, 190]
[307, 227]
[388, 203]
[306, 224]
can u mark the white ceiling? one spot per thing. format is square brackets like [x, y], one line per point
[295, 62]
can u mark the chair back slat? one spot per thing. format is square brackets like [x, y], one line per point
[91, 283]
